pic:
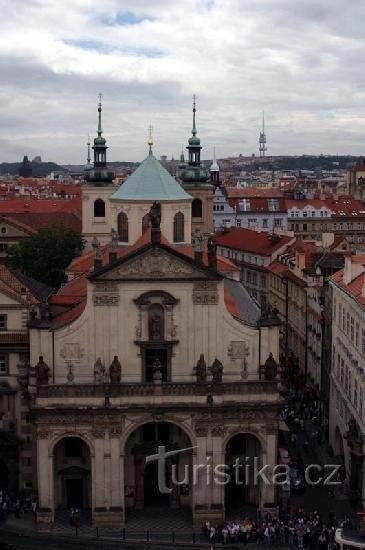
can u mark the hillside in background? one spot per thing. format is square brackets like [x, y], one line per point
[39, 169]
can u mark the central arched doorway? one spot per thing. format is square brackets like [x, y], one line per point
[72, 474]
[142, 488]
[243, 457]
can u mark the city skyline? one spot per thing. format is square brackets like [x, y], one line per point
[298, 62]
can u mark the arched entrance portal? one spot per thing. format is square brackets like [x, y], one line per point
[243, 457]
[142, 488]
[72, 473]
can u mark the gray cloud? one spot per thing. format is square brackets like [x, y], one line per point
[300, 61]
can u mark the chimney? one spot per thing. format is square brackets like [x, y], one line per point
[363, 288]
[347, 270]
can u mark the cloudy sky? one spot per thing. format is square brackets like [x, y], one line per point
[300, 60]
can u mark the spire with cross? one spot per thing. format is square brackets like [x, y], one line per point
[150, 139]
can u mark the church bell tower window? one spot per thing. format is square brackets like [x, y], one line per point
[179, 234]
[99, 208]
[123, 227]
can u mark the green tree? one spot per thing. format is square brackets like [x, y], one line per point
[46, 255]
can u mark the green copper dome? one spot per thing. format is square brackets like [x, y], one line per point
[150, 182]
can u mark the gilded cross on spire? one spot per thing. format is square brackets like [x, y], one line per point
[150, 138]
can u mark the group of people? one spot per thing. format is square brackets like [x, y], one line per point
[300, 530]
[17, 506]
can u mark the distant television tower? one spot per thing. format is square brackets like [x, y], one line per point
[262, 138]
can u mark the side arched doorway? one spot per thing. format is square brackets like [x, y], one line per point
[243, 457]
[72, 473]
[142, 477]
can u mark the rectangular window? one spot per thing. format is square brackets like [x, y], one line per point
[4, 247]
[352, 329]
[3, 321]
[265, 223]
[3, 364]
[238, 223]
[277, 222]
[363, 341]
[357, 330]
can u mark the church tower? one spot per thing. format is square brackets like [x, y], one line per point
[214, 172]
[195, 180]
[96, 191]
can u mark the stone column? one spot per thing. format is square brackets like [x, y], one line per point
[217, 489]
[268, 492]
[45, 514]
[117, 492]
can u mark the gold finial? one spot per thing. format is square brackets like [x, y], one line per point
[150, 138]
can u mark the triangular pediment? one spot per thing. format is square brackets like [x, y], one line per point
[155, 263]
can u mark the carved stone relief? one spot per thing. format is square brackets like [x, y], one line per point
[205, 293]
[71, 351]
[105, 294]
[239, 351]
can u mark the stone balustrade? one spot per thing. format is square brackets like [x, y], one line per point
[150, 389]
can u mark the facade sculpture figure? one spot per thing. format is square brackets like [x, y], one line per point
[212, 252]
[99, 371]
[157, 373]
[156, 327]
[201, 369]
[113, 240]
[42, 372]
[216, 370]
[155, 215]
[115, 370]
[270, 368]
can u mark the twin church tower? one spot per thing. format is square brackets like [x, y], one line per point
[186, 205]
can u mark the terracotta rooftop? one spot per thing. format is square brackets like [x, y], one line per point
[30, 222]
[40, 205]
[354, 289]
[247, 240]
[253, 192]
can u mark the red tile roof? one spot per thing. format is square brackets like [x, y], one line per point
[30, 222]
[253, 192]
[357, 284]
[247, 240]
[40, 205]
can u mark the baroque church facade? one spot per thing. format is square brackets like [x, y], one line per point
[152, 342]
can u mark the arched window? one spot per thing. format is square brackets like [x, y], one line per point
[146, 222]
[156, 328]
[123, 227]
[179, 228]
[197, 208]
[99, 208]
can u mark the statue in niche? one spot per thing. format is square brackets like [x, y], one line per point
[157, 373]
[155, 215]
[99, 371]
[115, 370]
[201, 369]
[216, 370]
[156, 323]
[42, 372]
